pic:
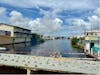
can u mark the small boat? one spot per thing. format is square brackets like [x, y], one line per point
[2, 48]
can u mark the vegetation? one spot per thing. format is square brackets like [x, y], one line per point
[75, 43]
[36, 39]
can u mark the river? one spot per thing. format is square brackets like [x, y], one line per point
[44, 49]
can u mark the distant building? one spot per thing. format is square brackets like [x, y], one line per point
[48, 37]
[13, 34]
[92, 43]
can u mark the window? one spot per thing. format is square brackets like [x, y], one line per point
[87, 34]
[91, 33]
[8, 33]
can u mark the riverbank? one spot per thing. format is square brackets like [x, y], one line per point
[36, 39]
[75, 43]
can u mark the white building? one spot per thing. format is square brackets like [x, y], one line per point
[92, 43]
[13, 34]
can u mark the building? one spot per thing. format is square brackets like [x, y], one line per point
[13, 34]
[48, 37]
[92, 43]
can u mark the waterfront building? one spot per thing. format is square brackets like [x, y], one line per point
[92, 43]
[13, 34]
[48, 37]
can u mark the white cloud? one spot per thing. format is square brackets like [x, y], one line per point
[80, 25]
[97, 12]
[95, 19]
[95, 22]
[16, 18]
[2, 11]
[16, 13]
[57, 5]
[76, 21]
[3, 15]
[46, 24]
[50, 22]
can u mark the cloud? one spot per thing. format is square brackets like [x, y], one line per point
[46, 24]
[95, 22]
[17, 18]
[56, 5]
[42, 25]
[3, 15]
[80, 25]
[50, 22]
[2, 11]
[76, 21]
[97, 12]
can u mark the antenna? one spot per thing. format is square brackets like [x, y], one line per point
[98, 37]
[91, 27]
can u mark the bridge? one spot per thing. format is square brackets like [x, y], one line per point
[28, 62]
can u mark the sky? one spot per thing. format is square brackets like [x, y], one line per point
[52, 17]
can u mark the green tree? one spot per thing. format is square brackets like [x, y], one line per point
[74, 41]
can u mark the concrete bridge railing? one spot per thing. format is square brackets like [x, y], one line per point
[50, 64]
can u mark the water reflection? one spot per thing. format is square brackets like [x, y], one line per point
[20, 48]
[43, 49]
[51, 46]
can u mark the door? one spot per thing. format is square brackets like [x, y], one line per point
[91, 44]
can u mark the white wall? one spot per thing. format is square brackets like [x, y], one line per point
[7, 28]
[2, 32]
[28, 39]
[19, 39]
[87, 47]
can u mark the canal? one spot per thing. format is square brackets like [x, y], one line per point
[44, 49]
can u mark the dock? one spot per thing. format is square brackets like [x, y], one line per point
[61, 64]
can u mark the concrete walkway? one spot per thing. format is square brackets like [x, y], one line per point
[50, 63]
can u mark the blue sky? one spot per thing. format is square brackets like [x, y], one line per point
[52, 17]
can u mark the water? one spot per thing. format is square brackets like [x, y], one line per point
[44, 49]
